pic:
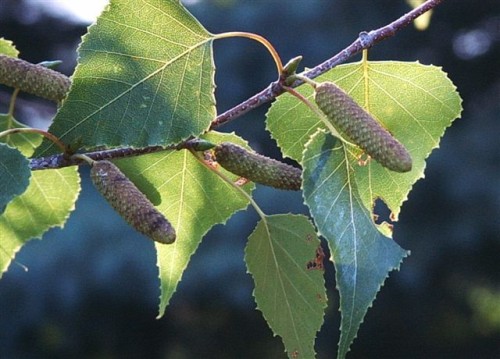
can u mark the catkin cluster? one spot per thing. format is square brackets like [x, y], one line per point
[257, 168]
[34, 79]
[131, 203]
[362, 129]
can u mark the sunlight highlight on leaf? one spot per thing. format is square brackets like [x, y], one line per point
[414, 102]
[191, 197]
[47, 203]
[145, 76]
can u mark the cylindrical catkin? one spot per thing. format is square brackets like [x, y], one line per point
[34, 79]
[257, 168]
[131, 203]
[361, 128]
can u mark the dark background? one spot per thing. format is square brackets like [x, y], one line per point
[92, 289]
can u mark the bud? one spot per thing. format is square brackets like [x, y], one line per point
[361, 128]
[34, 79]
[131, 203]
[257, 168]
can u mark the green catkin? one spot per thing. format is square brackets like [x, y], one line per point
[257, 168]
[131, 203]
[362, 129]
[34, 79]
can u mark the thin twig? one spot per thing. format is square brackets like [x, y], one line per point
[364, 41]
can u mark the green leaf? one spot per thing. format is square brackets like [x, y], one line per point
[7, 48]
[14, 174]
[415, 102]
[289, 289]
[47, 203]
[362, 256]
[24, 142]
[192, 198]
[145, 76]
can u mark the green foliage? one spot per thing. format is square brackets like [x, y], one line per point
[415, 102]
[14, 174]
[145, 76]
[47, 203]
[192, 197]
[290, 293]
[362, 255]
[24, 142]
[8, 48]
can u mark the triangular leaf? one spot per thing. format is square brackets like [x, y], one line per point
[145, 76]
[193, 199]
[362, 256]
[14, 174]
[415, 102]
[284, 256]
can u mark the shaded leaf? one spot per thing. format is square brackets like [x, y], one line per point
[362, 256]
[14, 174]
[144, 77]
[191, 197]
[289, 290]
[414, 102]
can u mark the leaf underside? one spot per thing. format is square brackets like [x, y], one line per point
[416, 103]
[362, 256]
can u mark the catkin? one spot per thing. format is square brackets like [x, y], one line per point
[131, 203]
[34, 79]
[361, 128]
[257, 168]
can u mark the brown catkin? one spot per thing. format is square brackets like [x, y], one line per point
[361, 128]
[257, 168]
[131, 203]
[34, 79]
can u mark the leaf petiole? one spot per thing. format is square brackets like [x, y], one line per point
[258, 38]
[45, 134]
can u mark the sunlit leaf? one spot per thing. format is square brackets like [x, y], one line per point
[145, 76]
[415, 102]
[7, 48]
[286, 261]
[47, 203]
[193, 199]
